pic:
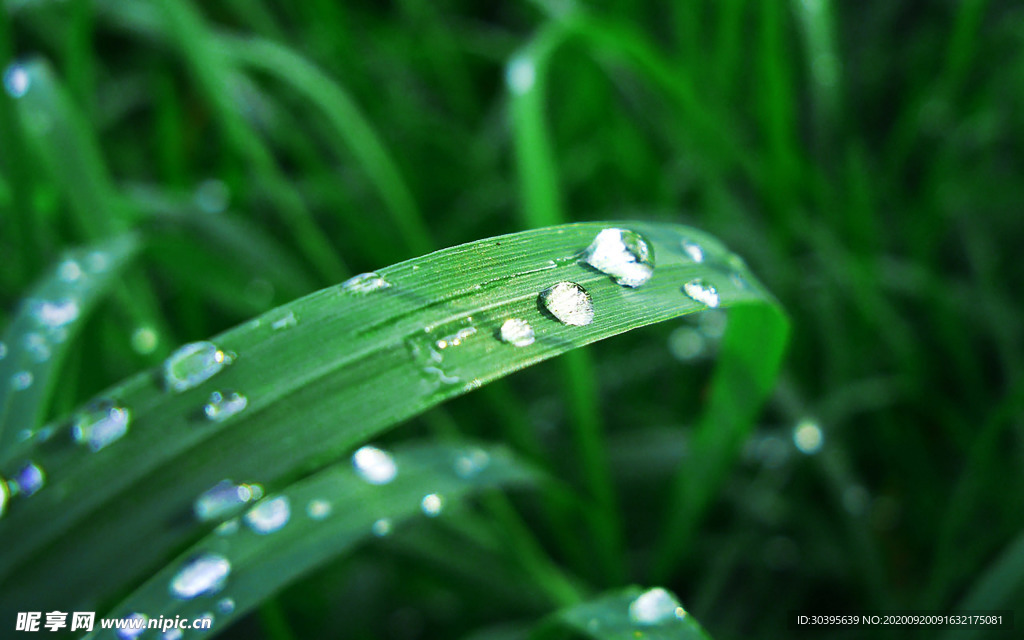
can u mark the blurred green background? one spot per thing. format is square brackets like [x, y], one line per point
[864, 157]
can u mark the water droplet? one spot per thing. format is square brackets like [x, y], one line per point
[374, 465]
[144, 340]
[129, 633]
[655, 606]
[693, 250]
[569, 303]
[212, 196]
[69, 270]
[517, 332]
[471, 462]
[364, 283]
[520, 75]
[808, 437]
[455, 339]
[204, 622]
[29, 479]
[16, 80]
[193, 364]
[432, 504]
[622, 254]
[226, 605]
[318, 509]
[285, 322]
[381, 527]
[224, 498]
[227, 528]
[269, 515]
[54, 314]
[36, 346]
[202, 575]
[5, 493]
[21, 380]
[224, 404]
[702, 292]
[739, 281]
[100, 424]
[171, 634]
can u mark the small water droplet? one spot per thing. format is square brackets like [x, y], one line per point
[16, 81]
[471, 462]
[202, 575]
[455, 339]
[269, 515]
[517, 332]
[739, 281]
[54, 314]
[100, 424]
[520, 75]
[622, 254]
[36, 346]
[224, 498]
[21, 380]
[227, 528]
[226, 605]
[144, 340]
[137, 628]
[171, 634]
[381, 527]
[28, 480]
[432, 504]
[284, 322]
[569, 303]
[702, 292]
[653, 607]
[224, 404]
[364, 283]
[374, 465]
[212, 196]
[193, 364]
[318, 509]
[808, 437]
[693, 250]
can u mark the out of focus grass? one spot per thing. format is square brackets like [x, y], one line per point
[863, 157]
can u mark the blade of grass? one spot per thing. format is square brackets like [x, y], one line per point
[351, 366]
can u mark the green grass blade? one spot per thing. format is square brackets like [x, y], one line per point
[43, 330]
[628, 614]
[322, 375]
[329, 514]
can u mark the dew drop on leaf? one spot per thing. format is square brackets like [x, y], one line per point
[29, 479]
[374, 465]
[54, 314]
[21, 380]
[269, 515]
[284, 322]
[193, 364]
[36, 346]
[101, 424]
[224, 498]
[144, 340]
[693, 250]
[471, 462]
[569, 303]
[702, 292]
[132, 629]
[517, 332]
[432, 504]
[808, 437]
[224, 404]
[318, 509]
[69, 270]
[622, 254]
[202, 575]
[226, 605]
[381, 527]
[520, 75]
[364, 283]
[655, 606]
[16, 81]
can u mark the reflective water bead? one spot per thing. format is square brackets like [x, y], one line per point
[693, 250]
[381, 527]
[21, 380]
[284, 322]
[269, 515]
[517, 332]
[224, 498]
[101, 424]
[520, 75]
[224, 404]
[193, 364]
[226, 605]
[471, 462]
[16, 80]
[202, 575]
[318, 509]
[655, 606]
[54, 314]
[29, 479]
[702, 292]
[144, 340]
[36, 346]
[134, 627]
[432, 504]
[374, 465]
[69, 270]
[808, 437]
[622, 254]
[5, 493]
[364, 283]
[569, 303]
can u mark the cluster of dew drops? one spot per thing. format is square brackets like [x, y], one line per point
[622, 254]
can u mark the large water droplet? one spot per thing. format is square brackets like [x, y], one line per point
[16, 80]
[374, 465]
[381, 527]
[569, 303]
[318, 509]
[471, 462]
[693, 250]
[100, 424]
[54, 314]
[364, 283]
[655, 606]
[269, 515]
[517, 332]
[520, 75]
[193, 364]
[202, 575]
[21, 380]
[702, 292]
[622, 254]
[29, 479]
[135, 625]
[224, 498]
[432, 504]
[808, 437]
[224, 404]
[36, 346]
